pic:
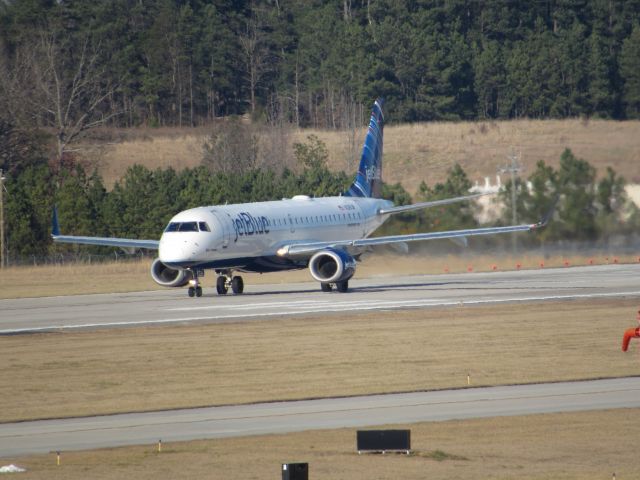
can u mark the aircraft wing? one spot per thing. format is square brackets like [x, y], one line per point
[312, 247]
[127, 243]
[107, 241]
[434, 203]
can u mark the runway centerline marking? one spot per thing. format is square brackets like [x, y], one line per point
[336, 308]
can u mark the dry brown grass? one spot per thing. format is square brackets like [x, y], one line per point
[417, 152]
[133, 275]
[73, 279]
[117, 370]
[569, 446]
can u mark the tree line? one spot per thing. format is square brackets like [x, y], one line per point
[141, 203]
[72, 64]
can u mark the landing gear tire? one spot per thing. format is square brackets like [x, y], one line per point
[342, 287]
[326, 287]
[237, 285]
[221, 285]
[195, 290]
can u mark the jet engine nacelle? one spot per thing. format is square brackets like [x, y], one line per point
[330, 266]
[169, 277]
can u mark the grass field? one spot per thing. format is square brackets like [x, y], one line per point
[413, 153]
[567, 446]
[133, 275]
[115, 370]
[134, 369]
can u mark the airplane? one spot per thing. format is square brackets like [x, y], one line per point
[325, 234]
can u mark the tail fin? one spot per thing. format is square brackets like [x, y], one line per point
[368, 182]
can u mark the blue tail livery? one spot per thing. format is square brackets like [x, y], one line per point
[368, 182]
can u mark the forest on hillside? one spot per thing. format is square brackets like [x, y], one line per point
[69, 64]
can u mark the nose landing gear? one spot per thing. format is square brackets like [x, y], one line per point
[195, 290]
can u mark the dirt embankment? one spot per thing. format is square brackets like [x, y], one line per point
[413, 152]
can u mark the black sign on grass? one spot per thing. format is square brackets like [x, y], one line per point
[384, 441]
[295, 471]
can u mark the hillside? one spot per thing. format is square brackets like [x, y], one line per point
[413, 152]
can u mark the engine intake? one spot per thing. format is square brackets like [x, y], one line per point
[169, 277]
[330, 266]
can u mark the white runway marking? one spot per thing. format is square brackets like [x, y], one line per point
[309, 307]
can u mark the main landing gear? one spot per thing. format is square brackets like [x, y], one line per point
[342, 287]
[226, 280]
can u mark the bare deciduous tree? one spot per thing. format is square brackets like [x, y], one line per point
[232, 147]
[64, 90]
[256, 56]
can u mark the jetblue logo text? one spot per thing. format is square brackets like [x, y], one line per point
[247, 224]
[372, 173]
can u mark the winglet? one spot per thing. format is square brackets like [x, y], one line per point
[547, 216]
[55, 226]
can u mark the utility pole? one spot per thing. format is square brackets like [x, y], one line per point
[2, 255]
[513, 167]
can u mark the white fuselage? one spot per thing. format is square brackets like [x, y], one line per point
[236, 236]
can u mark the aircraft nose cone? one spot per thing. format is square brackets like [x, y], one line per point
[179, 250]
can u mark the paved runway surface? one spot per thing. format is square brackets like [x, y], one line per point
[262, 301]
[233, 421]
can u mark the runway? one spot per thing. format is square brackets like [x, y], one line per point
[260, 302]
[243, 420]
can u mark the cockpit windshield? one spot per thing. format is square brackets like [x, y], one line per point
[187, 227]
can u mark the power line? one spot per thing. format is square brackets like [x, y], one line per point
[2, 247]
[512, 168]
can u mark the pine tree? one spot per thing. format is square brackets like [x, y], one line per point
[600, 93]
[630, 73]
